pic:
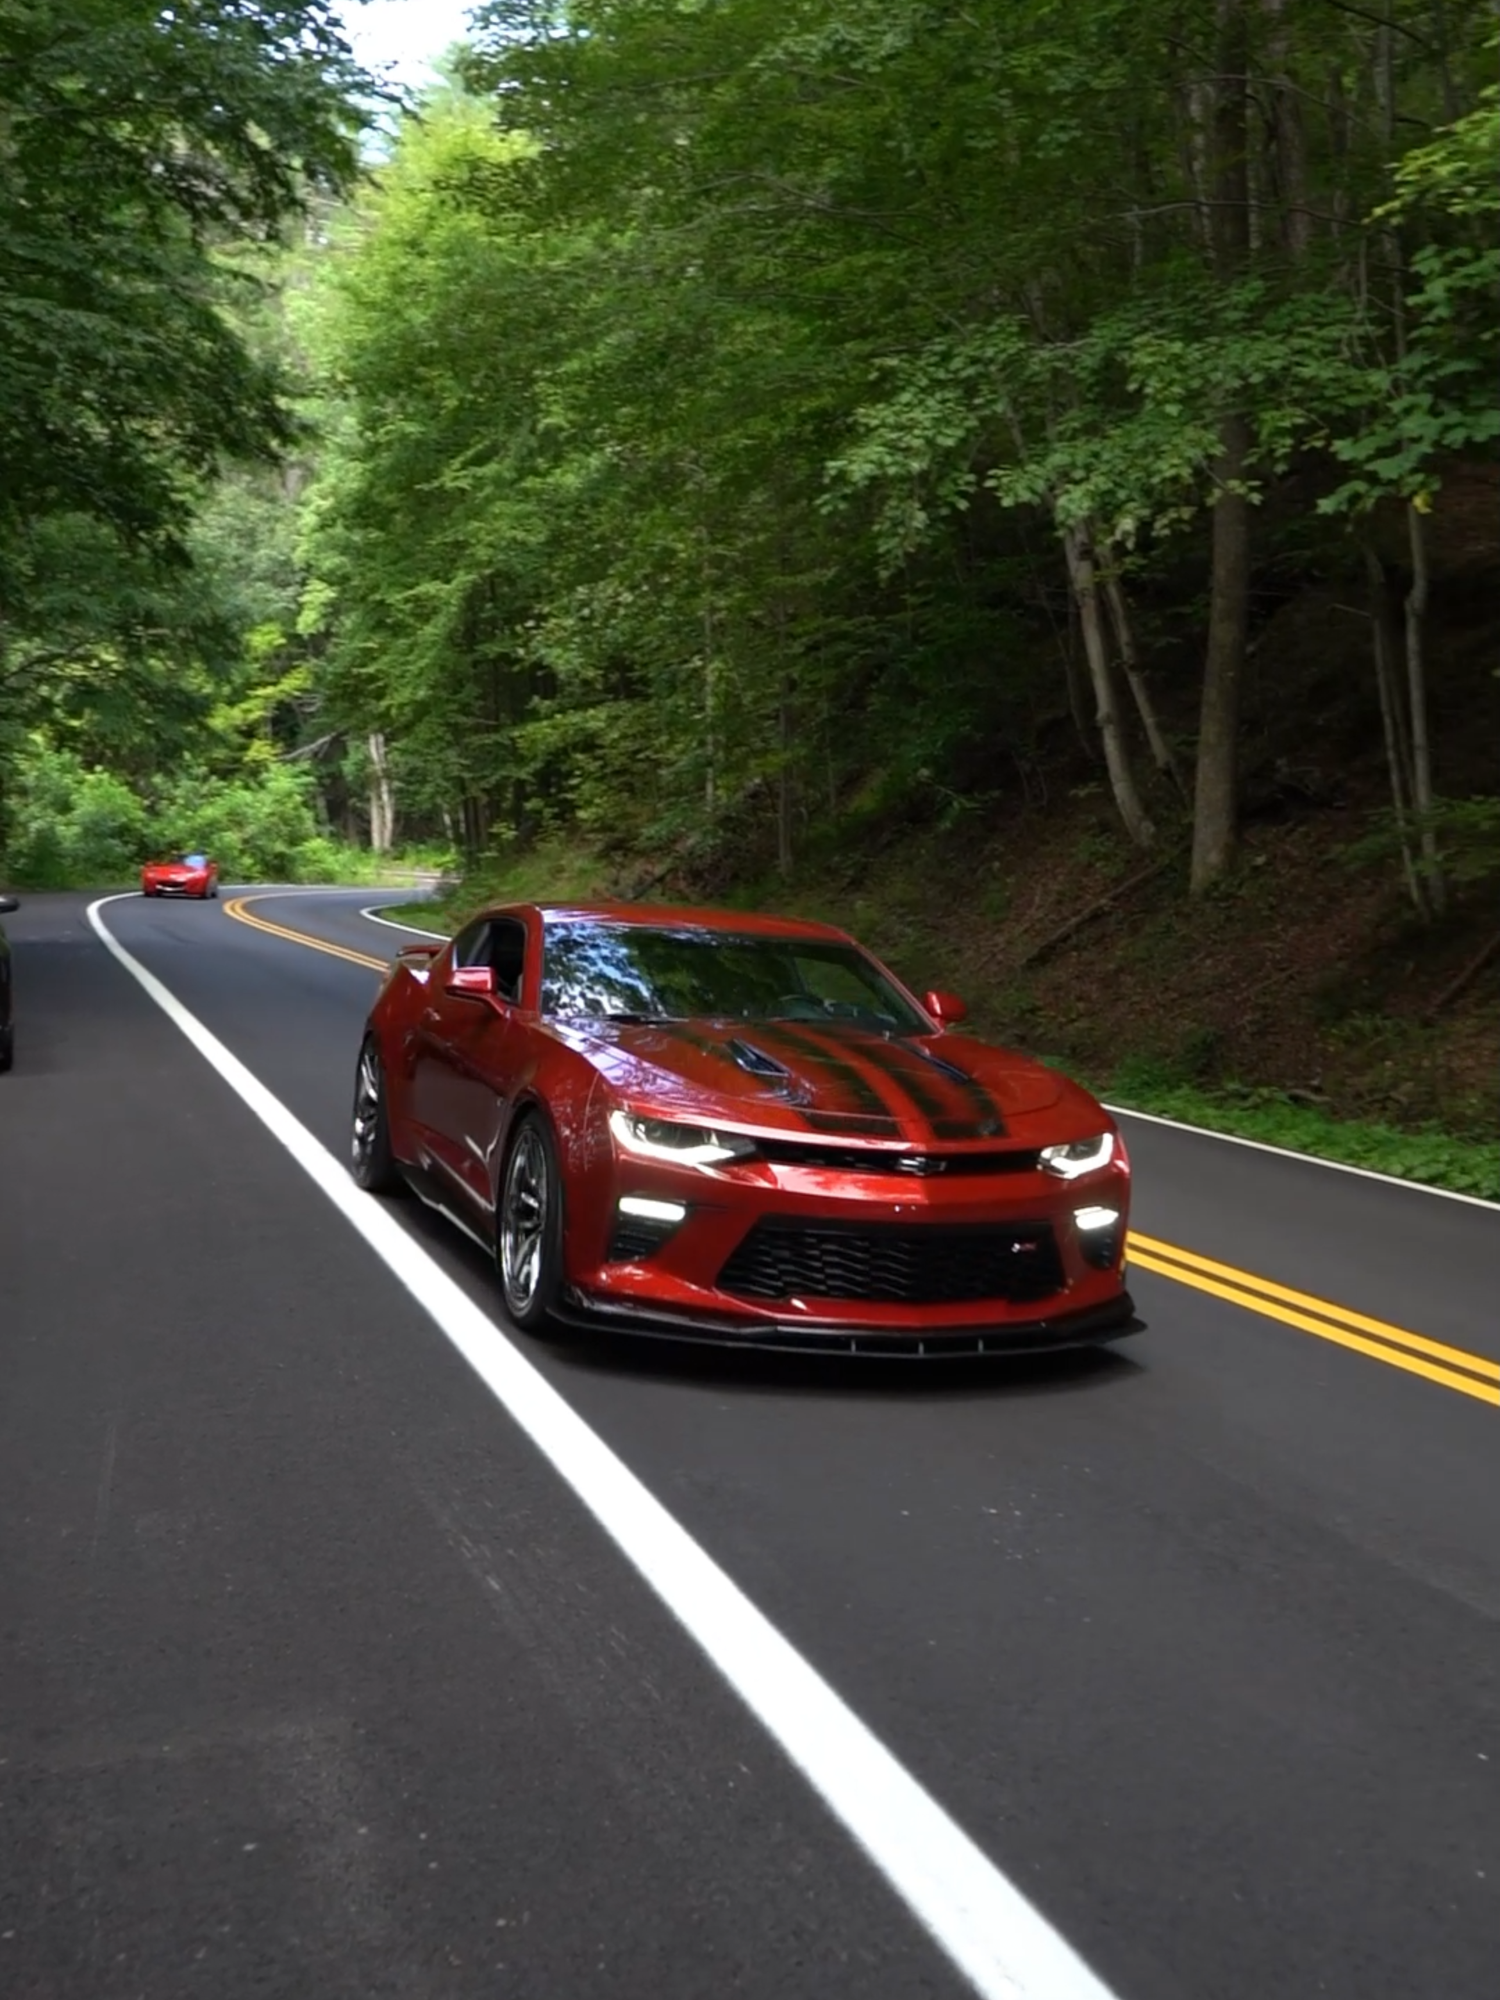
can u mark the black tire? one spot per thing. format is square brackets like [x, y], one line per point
[529, 1225]
[7, 1046]
[371, 1160]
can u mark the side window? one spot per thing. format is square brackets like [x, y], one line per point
[471, 946]
[507, 956]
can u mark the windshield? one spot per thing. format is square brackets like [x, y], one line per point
[195, 860]
[635, 972]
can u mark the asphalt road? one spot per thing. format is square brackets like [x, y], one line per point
[317, 1678]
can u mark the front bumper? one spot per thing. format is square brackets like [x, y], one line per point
[1089, 1326]
[899, 1267]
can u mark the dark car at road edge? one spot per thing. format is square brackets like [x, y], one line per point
[8, 904]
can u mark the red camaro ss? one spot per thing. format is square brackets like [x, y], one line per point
[185, 875]
[723, 1127]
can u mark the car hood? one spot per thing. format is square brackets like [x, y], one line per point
[174, 869]
[828, 1078]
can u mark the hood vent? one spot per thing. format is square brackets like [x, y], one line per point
[937, 1062]
[757, 1062]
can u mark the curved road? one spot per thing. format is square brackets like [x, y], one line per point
[317, 1678]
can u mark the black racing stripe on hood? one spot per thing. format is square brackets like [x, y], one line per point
[911, 1071]
[907, 1076]
[984, 1101]
[916, 1076]
[867, 1098]
[925, 1083]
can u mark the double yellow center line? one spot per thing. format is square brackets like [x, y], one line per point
[238, 907]
[1470, 1374]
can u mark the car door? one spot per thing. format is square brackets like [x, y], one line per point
[432, 1099]
[485, 1052]
[469, 1047]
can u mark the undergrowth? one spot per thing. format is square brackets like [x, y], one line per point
[1252, 1111]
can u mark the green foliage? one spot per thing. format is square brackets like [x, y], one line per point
[1466, 834]
[137, 142]
[150, 160]
[74, 826]
[1436, 395]
[678, 430]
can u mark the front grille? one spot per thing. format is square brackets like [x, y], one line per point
[915, 1264]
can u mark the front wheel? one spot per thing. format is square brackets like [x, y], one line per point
[7, 1045]
[371, 1160]
[528, 1238]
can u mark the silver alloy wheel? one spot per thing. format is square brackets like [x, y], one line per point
[368, 1102]
[523, 1220]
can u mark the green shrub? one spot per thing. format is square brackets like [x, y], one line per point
[71, 827]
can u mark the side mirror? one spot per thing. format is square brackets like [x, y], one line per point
[7, 904]
[474, 982]
[945, 1008]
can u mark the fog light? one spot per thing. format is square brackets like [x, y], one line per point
[642, 1225]
[646, 1209]
[1098, 1236]
[1086, 1218]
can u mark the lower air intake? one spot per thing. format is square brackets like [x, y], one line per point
[895, 1263]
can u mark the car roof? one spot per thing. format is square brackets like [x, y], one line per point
[679, 916]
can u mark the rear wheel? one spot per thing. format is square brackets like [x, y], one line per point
[528, 1236]
[7, 1045]
[371, 1160]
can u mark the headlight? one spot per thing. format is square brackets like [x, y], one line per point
[1083, 1156]
[683, 1145]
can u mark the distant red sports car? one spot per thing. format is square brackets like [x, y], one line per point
[740, 1129]
[186, 875]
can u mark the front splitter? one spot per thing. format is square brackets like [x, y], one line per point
[1089, 1328]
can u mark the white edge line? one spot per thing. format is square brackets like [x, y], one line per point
[973, 1912]
[390, 925]
[1309, 1159]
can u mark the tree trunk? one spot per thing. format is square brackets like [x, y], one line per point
[1288, 134]
[1386, 639]
[710, 691]
[382, 796]
[1216, 792]
[1416, 688]
[784, 780]
[1116, 753]
[1161, 749]
[1196, 159]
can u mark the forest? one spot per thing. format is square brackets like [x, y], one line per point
[1016, 476]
